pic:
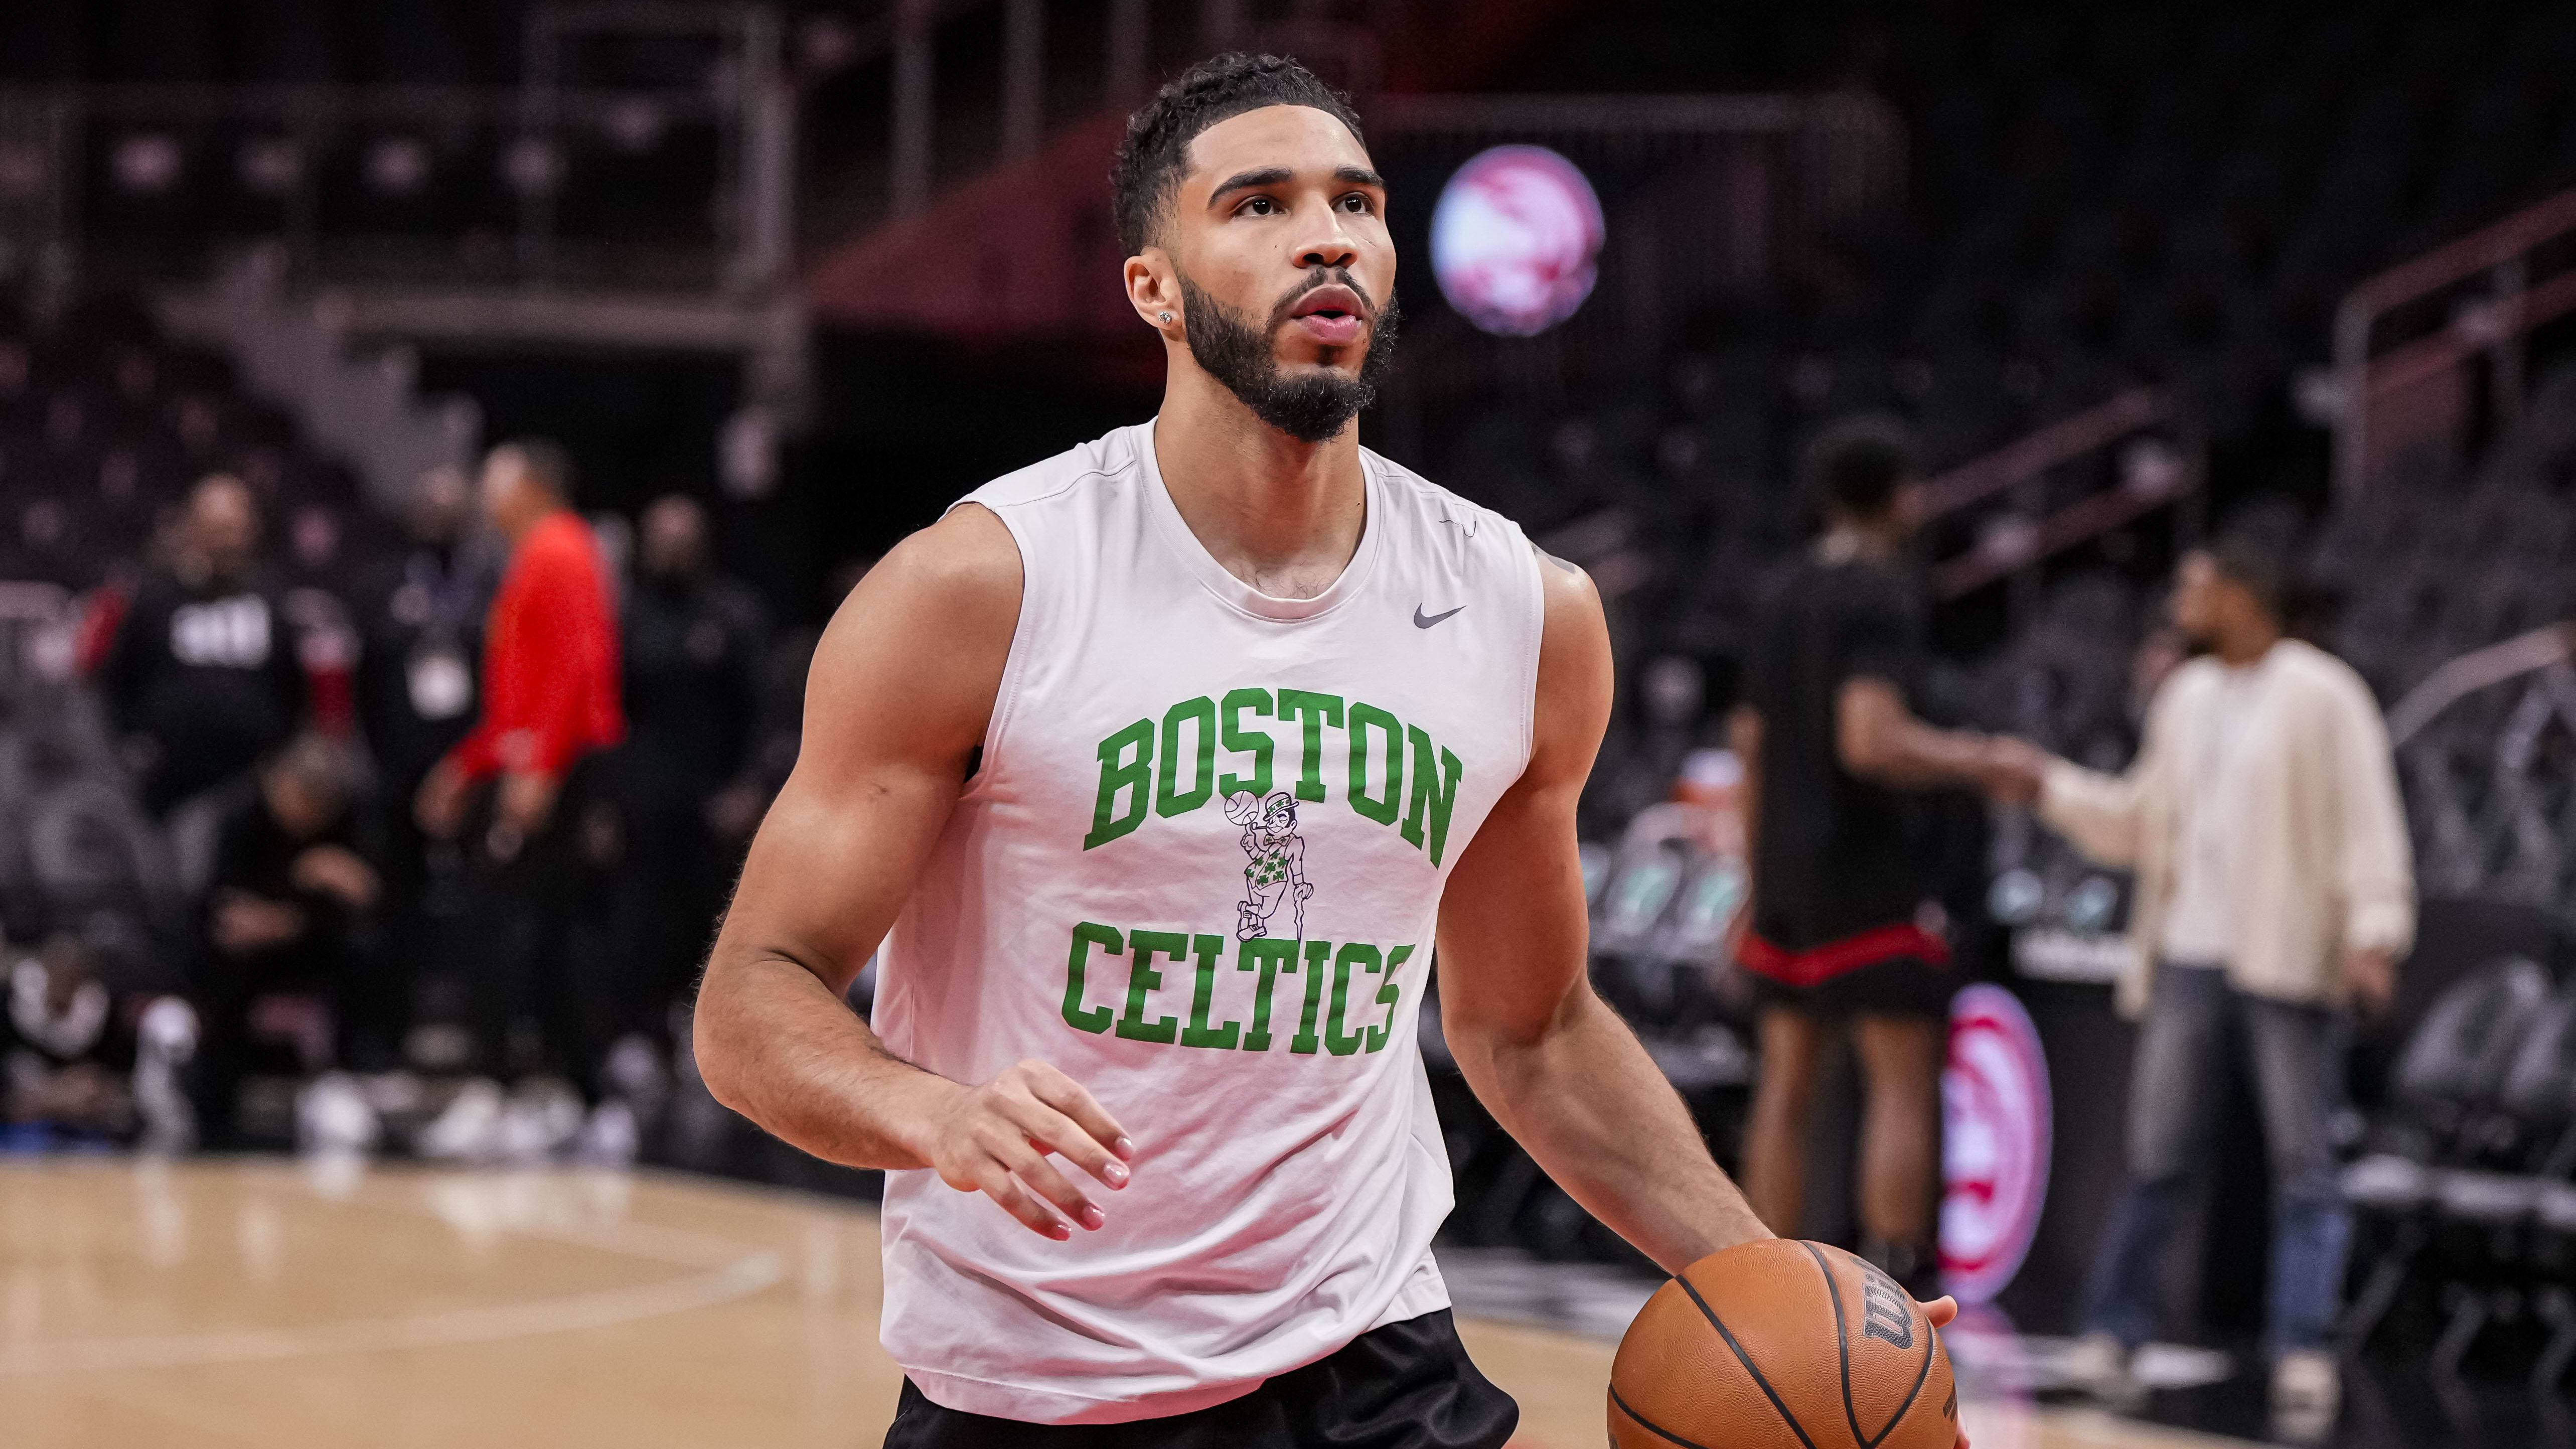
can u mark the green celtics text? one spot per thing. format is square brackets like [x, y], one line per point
[1344, 1000]
[1395, 768]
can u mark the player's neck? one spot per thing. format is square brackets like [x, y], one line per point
[1282, 515]
[1845, 541]
[518, 528]
[2246, 644]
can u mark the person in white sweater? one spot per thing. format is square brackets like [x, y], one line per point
[2274, 896]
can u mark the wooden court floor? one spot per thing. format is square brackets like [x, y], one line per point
[304, 1306]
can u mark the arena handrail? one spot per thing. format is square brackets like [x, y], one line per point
[2029, 456]
[2478, 669]
[2512, 306]
[2020, 541]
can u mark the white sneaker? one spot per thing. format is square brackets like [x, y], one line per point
[2097, 1365]
[393, 1094]
[610, 1138]
[332, 1115]
[469, 1130]
[2307, 1389]
[167, 1039]
[542, 1117]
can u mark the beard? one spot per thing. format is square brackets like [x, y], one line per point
[1311, 405]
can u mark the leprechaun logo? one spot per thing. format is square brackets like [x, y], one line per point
[1274, 870]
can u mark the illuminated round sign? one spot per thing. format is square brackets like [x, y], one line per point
[1995, 1135]
[1516, 239]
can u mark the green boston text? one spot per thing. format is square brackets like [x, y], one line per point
[1210, 749]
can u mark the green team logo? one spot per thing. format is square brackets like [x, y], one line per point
[1329, 997]
[1274, 873]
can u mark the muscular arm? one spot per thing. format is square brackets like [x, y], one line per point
[1879, 739]
[900, 693]
[1556, 1067]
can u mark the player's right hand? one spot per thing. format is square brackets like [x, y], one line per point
[995, 1139]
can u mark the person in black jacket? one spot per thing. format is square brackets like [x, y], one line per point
[693, 650]
[291, 913]
[420, 622]
[204, 676]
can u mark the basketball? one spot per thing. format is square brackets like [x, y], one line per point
[1782, 1345]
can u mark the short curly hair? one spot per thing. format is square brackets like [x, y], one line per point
[1857, 463]
[1155, 155]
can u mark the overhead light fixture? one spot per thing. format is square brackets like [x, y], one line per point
[25, 168]
[633, 124]
[826, 44]
[270, 165]
[533, 166]
[397, 165]
[147, 163]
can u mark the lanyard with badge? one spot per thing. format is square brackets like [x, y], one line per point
[437, 676]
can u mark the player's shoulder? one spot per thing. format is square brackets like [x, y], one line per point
[2199, 672]
[969, 554]
[1475, 540]
[2184, 689]
[1418, 500]
[1477, 543]
[2324, 673]
[1871, 585]
[1108, 461]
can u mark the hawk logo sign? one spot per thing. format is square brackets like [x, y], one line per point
[1995, 1142]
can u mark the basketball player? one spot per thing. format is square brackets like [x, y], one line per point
[1838, 945]
[1160, 768]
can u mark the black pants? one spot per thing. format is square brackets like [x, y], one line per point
[1405, 1386]
[346, 976]
[538, 951]
[670, 892]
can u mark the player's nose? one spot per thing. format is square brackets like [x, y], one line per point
[1328, 245]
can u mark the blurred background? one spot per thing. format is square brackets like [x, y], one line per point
[784, 280]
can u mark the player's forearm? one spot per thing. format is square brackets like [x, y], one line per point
[1594, 1111]
[775, 1045]
[1910, 755]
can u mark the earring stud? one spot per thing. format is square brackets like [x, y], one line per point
[1167, 316]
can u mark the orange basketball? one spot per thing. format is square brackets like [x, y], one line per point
[1782, 1345]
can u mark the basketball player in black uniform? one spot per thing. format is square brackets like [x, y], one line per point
[1842, 939]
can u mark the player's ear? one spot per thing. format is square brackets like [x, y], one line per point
[1153, 289]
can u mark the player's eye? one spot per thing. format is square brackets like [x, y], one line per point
[1258, 206]
[1358, 203]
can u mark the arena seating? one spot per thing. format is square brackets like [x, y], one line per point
[2100, 200]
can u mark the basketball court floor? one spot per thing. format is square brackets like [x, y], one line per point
[258, 1304]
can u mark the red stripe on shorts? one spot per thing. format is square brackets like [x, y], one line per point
[1820, 964]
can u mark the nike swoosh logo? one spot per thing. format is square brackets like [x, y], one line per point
[1421, 622]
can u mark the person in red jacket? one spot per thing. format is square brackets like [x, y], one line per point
[550, 665]
[519, 795]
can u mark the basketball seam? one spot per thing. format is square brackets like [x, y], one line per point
[1649, 1425]
[1746, 1359]
[1923, 1375]
[1842, 1346]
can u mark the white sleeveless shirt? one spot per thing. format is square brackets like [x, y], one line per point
[1198, 870]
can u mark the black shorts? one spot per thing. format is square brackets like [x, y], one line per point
[1905, 986]
[1405, 1386]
